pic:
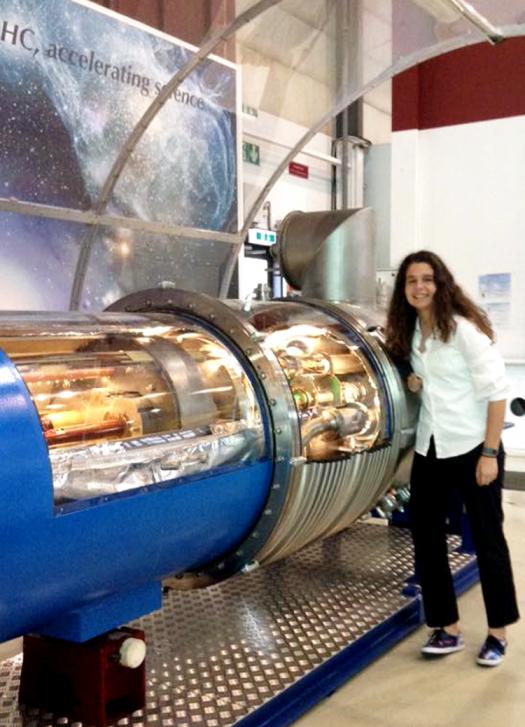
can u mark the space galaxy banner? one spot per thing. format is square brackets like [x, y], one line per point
[74, 81]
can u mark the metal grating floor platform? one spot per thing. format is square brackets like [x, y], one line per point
[217, 656]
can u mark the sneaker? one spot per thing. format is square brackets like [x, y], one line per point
[441, 643]
[492, 652]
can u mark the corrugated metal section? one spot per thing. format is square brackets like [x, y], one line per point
[325, 497]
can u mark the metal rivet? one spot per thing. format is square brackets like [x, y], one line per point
[273, 402]
[278, 430]
[276, 486]
[268, 511]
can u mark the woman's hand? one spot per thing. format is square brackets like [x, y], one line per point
[486, 470]
[414, 383]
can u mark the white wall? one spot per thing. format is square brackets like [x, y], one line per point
[376, 124]
[289, 193]
[514, 438]
[460, 191]
[252, 272]
[377, 195]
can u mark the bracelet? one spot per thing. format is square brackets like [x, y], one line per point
[489, 452]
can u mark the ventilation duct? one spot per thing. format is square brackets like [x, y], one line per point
[330, 255]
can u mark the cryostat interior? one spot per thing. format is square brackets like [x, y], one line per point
[330, 376]
[127, 406]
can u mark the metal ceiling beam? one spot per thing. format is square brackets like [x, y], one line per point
[493, 34]
[89, 217]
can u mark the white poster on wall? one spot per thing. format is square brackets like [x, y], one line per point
[495, 296]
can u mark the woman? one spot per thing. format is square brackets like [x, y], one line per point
[461, 377]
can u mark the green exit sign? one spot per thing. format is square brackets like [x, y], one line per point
[251, 153]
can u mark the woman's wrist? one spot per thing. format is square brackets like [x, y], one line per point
[489, 451]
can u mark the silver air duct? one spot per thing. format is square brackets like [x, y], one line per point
[330, 255]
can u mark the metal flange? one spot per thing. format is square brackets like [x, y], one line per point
[402, 405]
[274, 396]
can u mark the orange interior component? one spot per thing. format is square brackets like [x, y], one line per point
[82, 432]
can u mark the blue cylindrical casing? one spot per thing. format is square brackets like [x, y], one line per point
[53, 563]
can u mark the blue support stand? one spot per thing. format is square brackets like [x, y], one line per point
[108, 613]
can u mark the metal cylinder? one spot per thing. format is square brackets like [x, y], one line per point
[330, 255]
[189, 437]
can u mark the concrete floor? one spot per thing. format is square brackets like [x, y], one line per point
[401, 689]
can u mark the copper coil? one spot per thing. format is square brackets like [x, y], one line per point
[84, 432]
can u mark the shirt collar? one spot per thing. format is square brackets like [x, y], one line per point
[417, 329]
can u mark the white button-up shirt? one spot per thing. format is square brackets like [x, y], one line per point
[459, 378]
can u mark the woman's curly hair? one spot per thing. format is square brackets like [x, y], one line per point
[449, 300]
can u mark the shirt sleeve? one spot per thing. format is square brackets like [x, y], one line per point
[483, 360]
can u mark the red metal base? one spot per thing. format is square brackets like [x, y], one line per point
[85, 682]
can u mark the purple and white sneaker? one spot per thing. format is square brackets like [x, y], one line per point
[492, 652]
[441, 643]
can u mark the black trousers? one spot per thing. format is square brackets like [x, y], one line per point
[432, 482]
